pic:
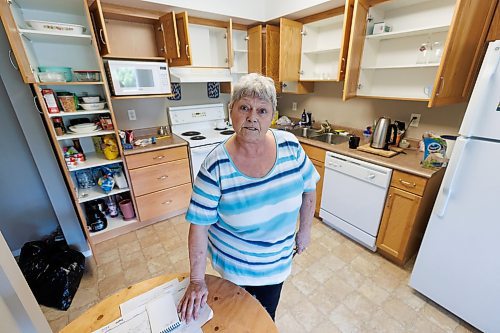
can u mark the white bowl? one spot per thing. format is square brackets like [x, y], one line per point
[91, 99]
[93, 106]
[84, 125]
[83, 130]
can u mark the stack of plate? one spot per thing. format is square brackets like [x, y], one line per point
[83, 128]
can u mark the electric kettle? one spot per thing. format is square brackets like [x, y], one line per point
[381, 138]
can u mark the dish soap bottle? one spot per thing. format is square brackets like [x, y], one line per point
[303, 119]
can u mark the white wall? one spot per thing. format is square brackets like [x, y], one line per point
[326, 104]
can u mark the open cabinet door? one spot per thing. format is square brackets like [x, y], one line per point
[99, 27]
[356, 43]
[17, 47]
[254, 42]
[344, 44]
[290, 49]
[463, 50]
[272, 55]
[168, 40]
[229, 34]
[183, 41]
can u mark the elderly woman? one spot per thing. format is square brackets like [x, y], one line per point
[246, 200]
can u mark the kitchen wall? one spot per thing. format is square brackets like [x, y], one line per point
[326, 103]
[152, 112]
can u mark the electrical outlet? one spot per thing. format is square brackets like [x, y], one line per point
[131, 115]
[294, 106]
[415, 122]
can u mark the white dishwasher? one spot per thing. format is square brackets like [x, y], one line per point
[353, 197]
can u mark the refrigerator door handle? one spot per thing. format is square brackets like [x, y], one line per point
[451, 173]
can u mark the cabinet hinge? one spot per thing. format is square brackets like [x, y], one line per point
[225, 35]
[247, 38]
[303, 32]
[226, 60]
[360, 86]
[301, 72]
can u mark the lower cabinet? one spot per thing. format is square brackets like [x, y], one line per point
[407, 210]
[161, 181]
[317, 157]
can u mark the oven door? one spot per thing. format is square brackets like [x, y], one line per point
[198, 155]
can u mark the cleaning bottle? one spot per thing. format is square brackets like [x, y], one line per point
[303, 119]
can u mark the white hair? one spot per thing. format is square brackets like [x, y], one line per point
[254, 85]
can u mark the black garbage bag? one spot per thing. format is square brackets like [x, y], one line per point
[53, 272]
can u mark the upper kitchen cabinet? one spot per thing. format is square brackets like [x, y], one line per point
[417, 50]
[131, 33]
[494, 31]
[325, 42]
[47, 33]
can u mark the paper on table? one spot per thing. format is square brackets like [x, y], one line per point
[162, 313]
[135, 324]
[137, 304]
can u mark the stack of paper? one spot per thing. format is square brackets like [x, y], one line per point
[155, 311]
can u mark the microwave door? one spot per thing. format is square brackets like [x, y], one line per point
[126, 81]
[145, 79]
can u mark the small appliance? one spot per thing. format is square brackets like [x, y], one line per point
[138, 77]
[381, 138]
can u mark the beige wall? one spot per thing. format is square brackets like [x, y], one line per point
[326, 103]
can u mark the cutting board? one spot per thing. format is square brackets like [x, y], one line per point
[386, 153]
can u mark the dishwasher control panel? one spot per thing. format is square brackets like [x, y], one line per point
[368, 172]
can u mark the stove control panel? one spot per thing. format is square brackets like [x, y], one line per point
[196, 113]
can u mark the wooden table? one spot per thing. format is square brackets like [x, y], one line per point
[235, 310]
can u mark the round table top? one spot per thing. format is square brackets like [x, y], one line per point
[235, 310]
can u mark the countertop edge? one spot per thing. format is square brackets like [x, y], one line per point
[165, 143]
[371, 158]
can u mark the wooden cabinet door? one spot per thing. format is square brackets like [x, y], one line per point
[254, 36]
[462, 52]
[183, 41]
[168, 41]
[320, 167]
[494, 31]
[229, 38]
[397, 221]
[356, 44]
[272, 64]
[344, 44]
[17, 50]
[99, 28]
[290, 49]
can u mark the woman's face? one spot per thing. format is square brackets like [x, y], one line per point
[251, 118]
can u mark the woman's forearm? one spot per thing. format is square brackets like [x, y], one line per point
[307, 210]
[198, 242]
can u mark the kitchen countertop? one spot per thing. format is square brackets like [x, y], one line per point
[169, 141]
[409, 163]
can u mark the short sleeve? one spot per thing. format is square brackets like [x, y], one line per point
[309, 174]
[202, 209]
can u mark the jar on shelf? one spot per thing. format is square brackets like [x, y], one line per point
[424, 53]
[59, 126]
[85, 179]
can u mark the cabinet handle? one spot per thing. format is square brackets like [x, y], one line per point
[389, 200]
[36, 106]
[159, 157]
[168, 202]
[407, 184]
[187, 53]
[162, 177]
[12, 61]
[441, 86]
[343, 65]
[101, 36]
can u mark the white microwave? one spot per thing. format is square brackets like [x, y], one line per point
[138, 77]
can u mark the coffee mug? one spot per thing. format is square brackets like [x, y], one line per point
[353, 142]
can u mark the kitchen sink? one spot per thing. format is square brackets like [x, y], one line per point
[331, 138]
[304, 132]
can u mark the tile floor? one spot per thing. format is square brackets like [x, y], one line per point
[336, 285]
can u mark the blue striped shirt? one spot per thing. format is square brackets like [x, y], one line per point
[252, 220]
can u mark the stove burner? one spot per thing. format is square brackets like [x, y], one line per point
[197, 137]
[191, 133]
[228, 132]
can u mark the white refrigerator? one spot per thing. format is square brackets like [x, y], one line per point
[458, 265]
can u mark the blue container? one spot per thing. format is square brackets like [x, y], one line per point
[66, 70]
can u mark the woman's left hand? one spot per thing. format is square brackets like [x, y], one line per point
[302, 240]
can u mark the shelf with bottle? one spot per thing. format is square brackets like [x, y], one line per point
[409, 32]
[93, 160]
[96, 192]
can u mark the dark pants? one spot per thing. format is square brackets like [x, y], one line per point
[268, 296]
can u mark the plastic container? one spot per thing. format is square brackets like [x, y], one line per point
[66, 70]
[87, 76]
[91, 99]
[52, 77]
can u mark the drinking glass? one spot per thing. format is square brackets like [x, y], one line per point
[424, 53]
[436, 53]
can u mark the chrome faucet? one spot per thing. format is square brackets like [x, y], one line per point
[326, 127]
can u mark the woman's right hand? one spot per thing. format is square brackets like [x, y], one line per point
[194, 299]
